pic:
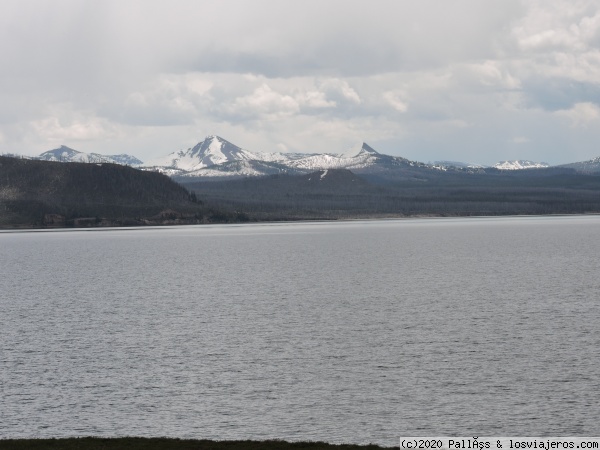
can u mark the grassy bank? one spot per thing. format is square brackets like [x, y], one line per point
[133, 443]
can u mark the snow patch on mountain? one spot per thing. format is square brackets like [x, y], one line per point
[317, 162]
[241, 168]
[459, 164]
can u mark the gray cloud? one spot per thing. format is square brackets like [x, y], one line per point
[339, 38]
[468, 79]
[554, 94]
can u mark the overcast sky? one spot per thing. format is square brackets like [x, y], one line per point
[464, 80]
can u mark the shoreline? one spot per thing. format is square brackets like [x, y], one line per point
[267, 222]
[163, 443]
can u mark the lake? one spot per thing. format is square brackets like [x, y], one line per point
[359, 331]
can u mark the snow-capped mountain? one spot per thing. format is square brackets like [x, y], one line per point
[212, 151]
[519, 165]
[67, 154]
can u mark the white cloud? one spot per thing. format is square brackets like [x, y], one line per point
[494, 74]
[314, 99]
[396, 100]
[265, 103]
[558, 39]
[167, 101]
[339, 91]
[55, 130]
[581, 114]
[560, 25]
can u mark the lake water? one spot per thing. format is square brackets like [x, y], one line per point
[342, 332]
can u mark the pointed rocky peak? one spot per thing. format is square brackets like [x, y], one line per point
[363, 149]
[366, 148]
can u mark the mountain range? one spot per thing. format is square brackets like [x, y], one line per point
[216, 158]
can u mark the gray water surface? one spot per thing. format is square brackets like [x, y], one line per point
[343, 332]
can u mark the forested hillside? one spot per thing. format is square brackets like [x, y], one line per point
[343, 194]
[53, 194]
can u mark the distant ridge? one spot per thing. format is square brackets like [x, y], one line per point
[67, 154]
[460, 164]
[590, 166]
